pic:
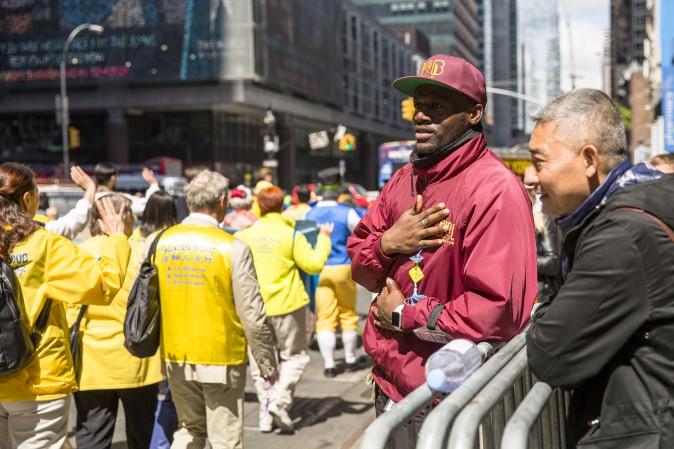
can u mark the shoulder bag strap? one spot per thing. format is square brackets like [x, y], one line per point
[80, 316]
[433, 317]
[153, 247]
[661, 223]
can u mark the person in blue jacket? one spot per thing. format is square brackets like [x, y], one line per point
[336, 293]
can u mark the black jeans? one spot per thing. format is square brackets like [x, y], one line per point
[405, 436]
[97, 413]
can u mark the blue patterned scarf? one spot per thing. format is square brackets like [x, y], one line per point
[621, 176]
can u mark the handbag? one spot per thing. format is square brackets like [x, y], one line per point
[76, 342]
[142, 320]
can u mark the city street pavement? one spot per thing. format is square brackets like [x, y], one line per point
[328, 413]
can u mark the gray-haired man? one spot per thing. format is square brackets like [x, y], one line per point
[211, 309]
[607, 334]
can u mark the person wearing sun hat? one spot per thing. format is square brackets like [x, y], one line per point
[449, 243]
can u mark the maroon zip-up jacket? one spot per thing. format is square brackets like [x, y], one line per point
[484, 274]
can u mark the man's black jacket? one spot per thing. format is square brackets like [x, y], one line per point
[609, 333]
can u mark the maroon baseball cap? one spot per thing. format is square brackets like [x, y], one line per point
[449, 72]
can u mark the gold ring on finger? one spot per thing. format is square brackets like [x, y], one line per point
[424, 222]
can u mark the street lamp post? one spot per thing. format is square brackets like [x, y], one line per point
[65, 119]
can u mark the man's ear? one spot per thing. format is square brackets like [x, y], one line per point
[590, 156]
[224, 202]
[476, 114]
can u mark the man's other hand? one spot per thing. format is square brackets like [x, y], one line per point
[389, 298]
[415, 229]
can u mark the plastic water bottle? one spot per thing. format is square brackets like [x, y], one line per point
[451, 365]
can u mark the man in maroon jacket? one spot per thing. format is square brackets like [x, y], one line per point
[469, 216]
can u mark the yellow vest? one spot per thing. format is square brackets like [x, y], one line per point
[50, 266]
[199, 322]
[255, 208]
[277, 252]
[106, 363]
[297, 212]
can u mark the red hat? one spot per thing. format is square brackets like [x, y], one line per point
[449, 72]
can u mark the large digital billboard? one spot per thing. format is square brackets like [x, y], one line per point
[289, 44]
[143, 41]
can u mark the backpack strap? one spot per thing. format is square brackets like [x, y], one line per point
[661, 223]
[41, 323]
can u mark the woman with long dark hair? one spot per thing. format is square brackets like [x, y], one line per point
[109, 372]
[34, 401]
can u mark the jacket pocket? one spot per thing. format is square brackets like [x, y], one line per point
[633, 440]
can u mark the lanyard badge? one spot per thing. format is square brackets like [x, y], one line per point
[416, 274]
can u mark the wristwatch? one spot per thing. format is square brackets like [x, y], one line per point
[397, 316]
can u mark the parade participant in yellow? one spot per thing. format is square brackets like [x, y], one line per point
[299, 211]
[278, 252]
[211, 309]
[35, 401]
[160, 213]
[109, 372]
[261, 185]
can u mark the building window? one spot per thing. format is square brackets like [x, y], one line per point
[441, 5]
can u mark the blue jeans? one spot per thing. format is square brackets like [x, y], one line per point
[165, 420]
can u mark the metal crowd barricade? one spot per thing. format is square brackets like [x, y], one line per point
[543, 408]
[475, 424]
[436, 426]
[379, 432]
[481, 420]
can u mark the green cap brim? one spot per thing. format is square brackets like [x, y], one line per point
[409, 84]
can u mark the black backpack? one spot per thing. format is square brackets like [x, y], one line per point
[143, 315]
[17, 343]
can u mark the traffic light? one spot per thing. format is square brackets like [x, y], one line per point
[347, 142]
[407, 109]
[73, 137]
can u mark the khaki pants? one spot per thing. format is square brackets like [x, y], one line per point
[291, 341]
[207, 412]
[34, 424]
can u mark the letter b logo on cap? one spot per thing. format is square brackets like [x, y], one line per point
[432, 68]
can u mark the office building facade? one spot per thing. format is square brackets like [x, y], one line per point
[192, 80]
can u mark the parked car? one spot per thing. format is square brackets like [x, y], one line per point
[61, 196]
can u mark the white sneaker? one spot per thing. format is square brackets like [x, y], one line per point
[266, 422]
[281, 418]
